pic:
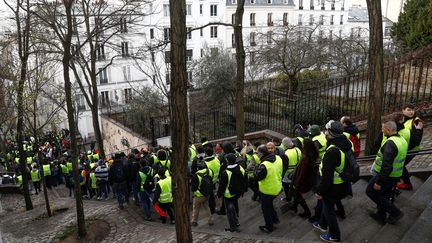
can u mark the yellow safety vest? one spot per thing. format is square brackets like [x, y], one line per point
[214, 166]
[227, 193]
[200, 174]
[408, 124]
[35, 175]
[19, 180]
[323, 141]
[166, 190]
[336, 176]
[93, 180]
[270, 185]
[398, 162]
[293, 155]
[46, 169]
[279, 167]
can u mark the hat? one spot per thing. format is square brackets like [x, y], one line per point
[314, 130]
[335, 128]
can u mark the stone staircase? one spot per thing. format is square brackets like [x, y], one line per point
[415, 226]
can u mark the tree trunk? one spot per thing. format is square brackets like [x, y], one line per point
[96, 127]
[40, 159]
[240, 76]
[71, 119]
[179, 120]
[19, 137]
[376, 73]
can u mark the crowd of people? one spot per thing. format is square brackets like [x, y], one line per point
[220, 174]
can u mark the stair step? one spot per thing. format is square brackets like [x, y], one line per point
[420, 231]
[362, 227]
[412, 209]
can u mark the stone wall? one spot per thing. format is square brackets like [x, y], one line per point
[117, 137]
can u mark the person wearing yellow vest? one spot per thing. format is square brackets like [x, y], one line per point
[46, 168]
[252, 162]
[387, 169]
[20, 180]
[293, 154]
[163, 195]
[331, 187]
[200, 199]
[192, 153]
[319, 138]
[415, 126]
[269, 186]
[146, 186]
[212, 163]
[92, 184]
[163, 160]
[35, 177]
[233, 183]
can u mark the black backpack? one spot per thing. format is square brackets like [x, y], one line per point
[351, 171]
[206, 186]
[238, 184]
[119, 173]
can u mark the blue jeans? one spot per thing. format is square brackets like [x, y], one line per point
[328, 217]
[135, 192]
[103, 190]
[382, 197]
[146, 203]
[120, 190]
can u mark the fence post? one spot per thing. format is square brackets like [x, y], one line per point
[268, 109]
[214, 124]
[294, 116]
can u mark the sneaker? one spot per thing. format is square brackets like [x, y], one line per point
[392, 219]
[404, 186]
[316, 225]
[265, 229]
[378, 218]
[194, 224]
[329, 238]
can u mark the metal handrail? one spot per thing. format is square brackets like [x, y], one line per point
[420, 152]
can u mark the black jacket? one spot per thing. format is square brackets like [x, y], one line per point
[352, 129]
[389, 151]
[378, 142]
[223, 181]
[261, 171]
[416, 134]
[149, 183]
[331, 160]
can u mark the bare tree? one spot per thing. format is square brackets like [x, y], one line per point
[22, 19]
[376, 73]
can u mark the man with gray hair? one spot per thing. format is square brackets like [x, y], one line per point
[387, 169]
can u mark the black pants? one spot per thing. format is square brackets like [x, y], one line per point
[232, 208]
[169, 209]
[382, 197]
[270, 215]
[405, 174]
[212, 203]
[328, 216]
[253, 185]
[37, 186]
[286, 187]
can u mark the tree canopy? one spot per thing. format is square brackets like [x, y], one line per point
[414, 27]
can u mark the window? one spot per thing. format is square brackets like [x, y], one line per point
[343, 5]
[341, 19]
[104, 98]
[167, 34]
[189, 73]
[188, 9]
[213, 10]
[333, 5]
[103, 77]
[312, 7]
[300, 19]
[189, 33]
[127, 95]
[151, 33]
[152, 56]
[285, 1]
[100, 51]
[311, 19]
[201, 9]
[252, 39]
[213, 32]
[387, 31]
[269, 37]
[233, 1]
[233, 40]
[126, 73]
[166, 10]
[285, 19]
[123, 25]
[125, 49]
[269, 19]
[252, 1]
[202, 52]
[340, 33]
[322, 4]
[201, 32]
[167, 57]
[167, 79]
[252, 57]
[331, 35]
[321, 20]
[300, 4]
[233, 19]
[252, 19]
[331, 19]
[269, 1]
[81, 103]
[189, 55]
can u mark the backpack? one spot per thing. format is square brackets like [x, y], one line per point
[206, 186]
[351, 171]
[238, 184]
[240, 161]
[356, 144]
[119, 173]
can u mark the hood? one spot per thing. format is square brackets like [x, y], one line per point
[270, 158]
[341, 142]
[351, 129]
[399, 126]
